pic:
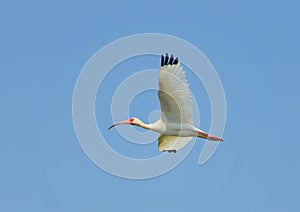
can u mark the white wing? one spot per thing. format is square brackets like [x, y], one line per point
[172, 143]
[175, 101]
[174, 94]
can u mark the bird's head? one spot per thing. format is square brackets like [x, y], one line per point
[131, 121]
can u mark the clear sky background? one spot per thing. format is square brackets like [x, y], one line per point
[254, 47]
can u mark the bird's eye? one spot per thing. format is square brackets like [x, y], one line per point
[132, 121]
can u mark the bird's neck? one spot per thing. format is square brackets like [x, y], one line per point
[145, 126]
[157, 126]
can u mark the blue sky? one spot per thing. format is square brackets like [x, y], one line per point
[252, 45]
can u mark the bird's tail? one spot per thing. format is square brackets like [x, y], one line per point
[201, 134]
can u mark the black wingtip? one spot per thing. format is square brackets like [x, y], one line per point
[170, 151]
[162, 63]
[171, 60]
[166, 61]
[176, 61]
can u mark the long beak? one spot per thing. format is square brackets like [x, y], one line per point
[205, 135]
[119, 123]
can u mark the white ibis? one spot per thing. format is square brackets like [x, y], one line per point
[175, 125]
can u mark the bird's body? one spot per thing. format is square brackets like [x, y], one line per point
[176, 129]
[175, 125]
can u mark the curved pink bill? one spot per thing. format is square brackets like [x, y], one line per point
[119, 123]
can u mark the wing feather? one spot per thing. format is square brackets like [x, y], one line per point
[174, 93]
[171, 143]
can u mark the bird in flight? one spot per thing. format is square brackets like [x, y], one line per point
[176, 123]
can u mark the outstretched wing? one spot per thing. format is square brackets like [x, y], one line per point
[172, 143]
[174, 94]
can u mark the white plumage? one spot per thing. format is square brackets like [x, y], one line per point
[176, 123]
